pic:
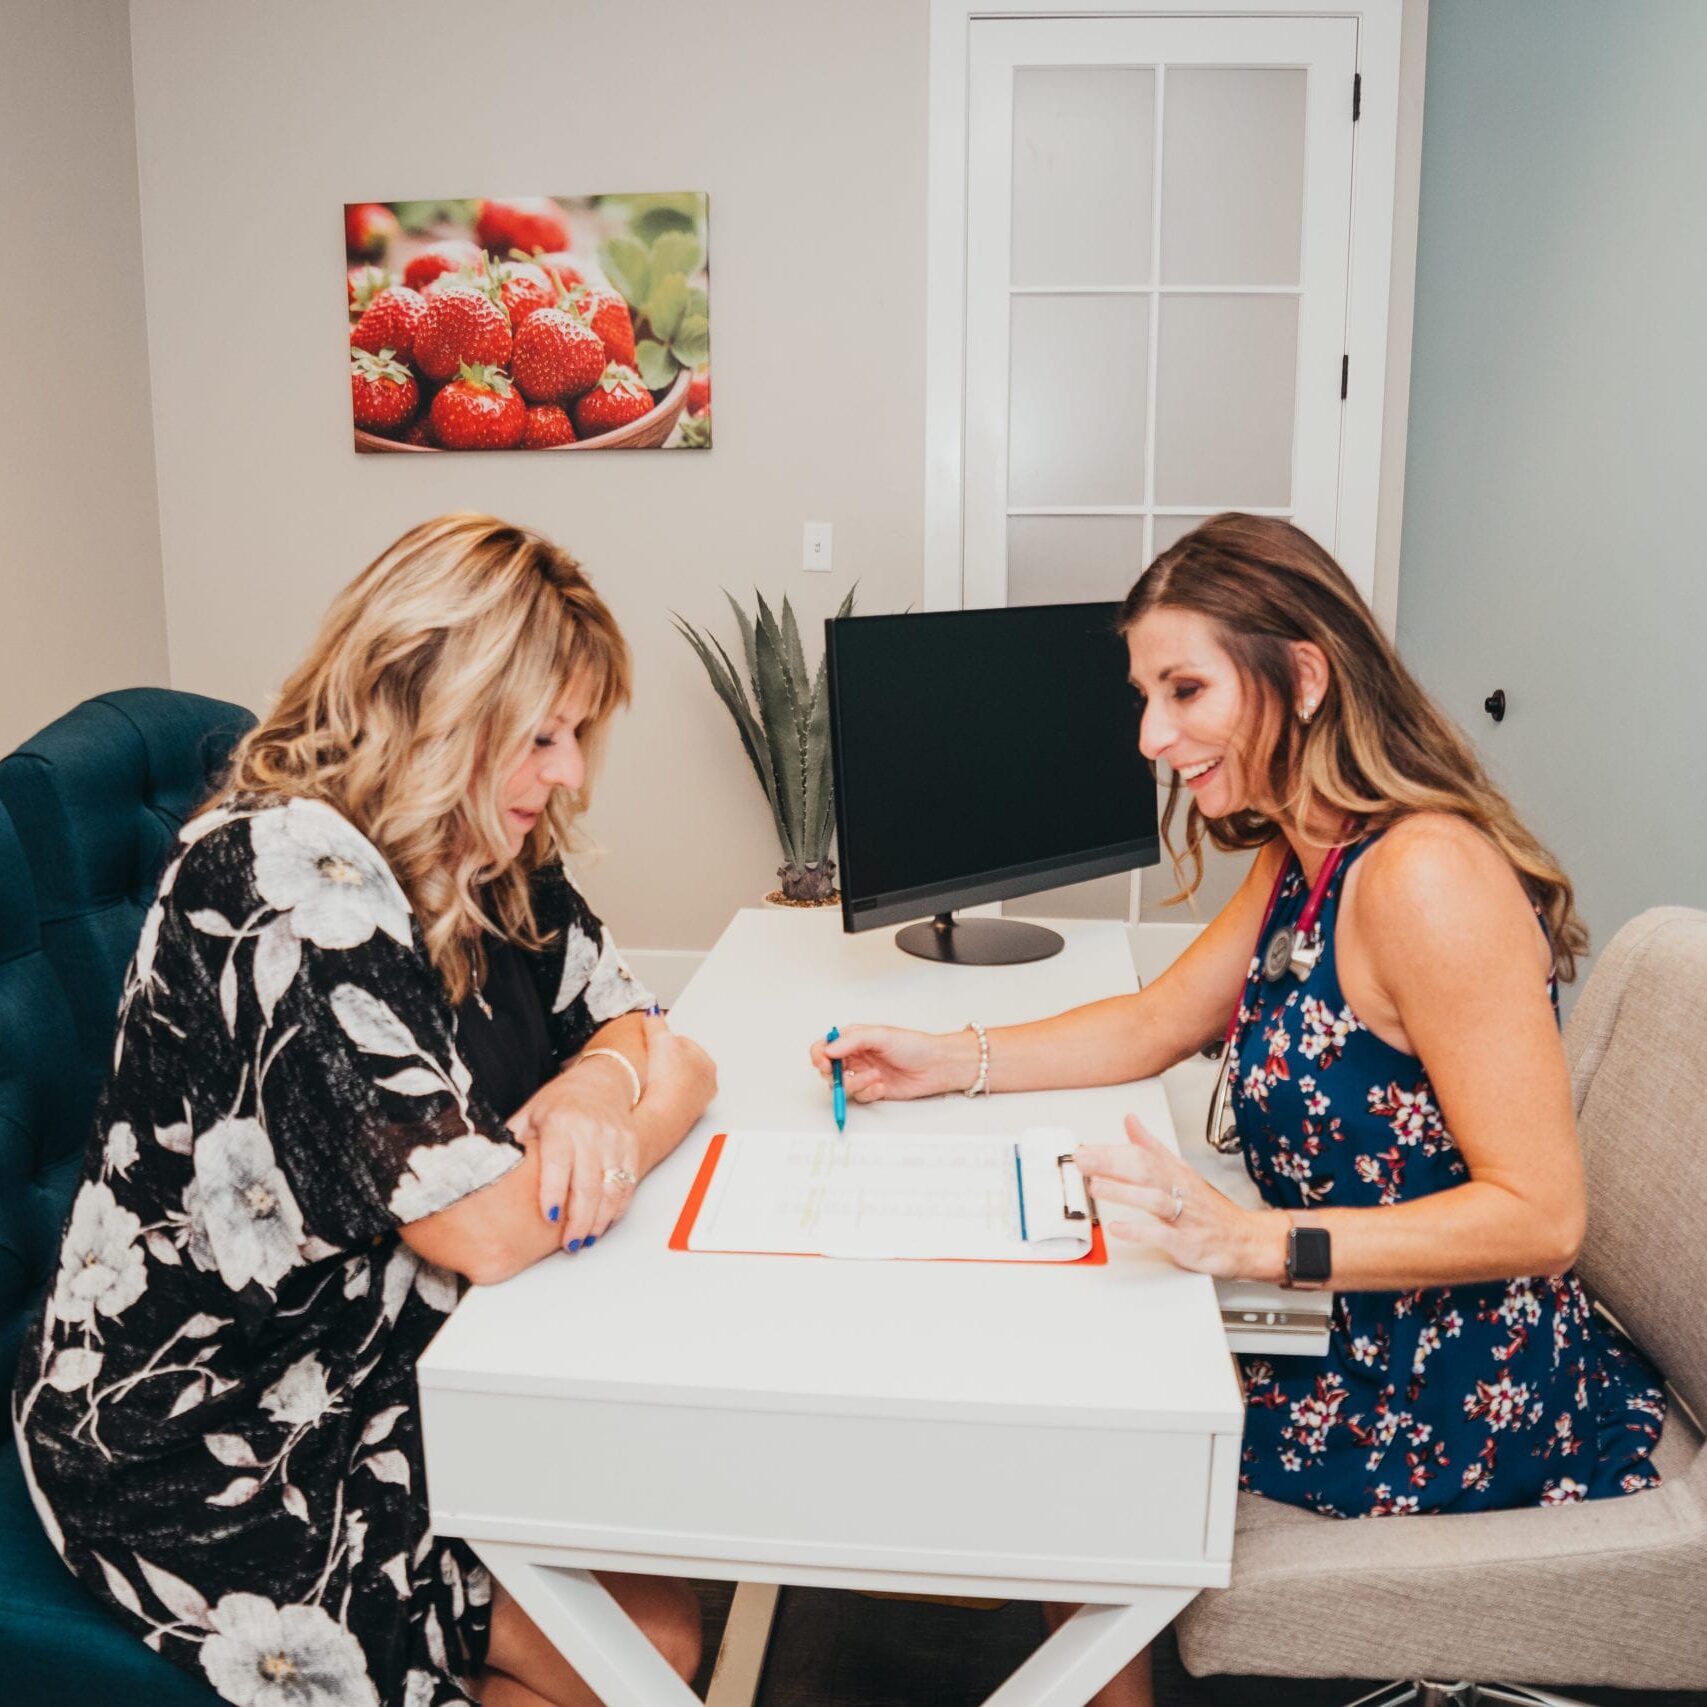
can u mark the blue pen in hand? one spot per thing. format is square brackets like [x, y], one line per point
[838, 1096]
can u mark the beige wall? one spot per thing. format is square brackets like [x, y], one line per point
[804, 121]
[80, 592]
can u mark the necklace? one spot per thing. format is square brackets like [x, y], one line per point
[474, 986]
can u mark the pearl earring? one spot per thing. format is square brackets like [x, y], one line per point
[1307, 711]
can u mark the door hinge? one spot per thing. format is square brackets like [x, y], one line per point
[1345, 375]
[1356, 96]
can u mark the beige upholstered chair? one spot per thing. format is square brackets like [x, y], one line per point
[1613, 1592]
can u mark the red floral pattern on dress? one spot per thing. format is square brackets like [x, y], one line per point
[1507, 1393]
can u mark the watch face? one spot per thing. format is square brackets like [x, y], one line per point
[1309, 1254]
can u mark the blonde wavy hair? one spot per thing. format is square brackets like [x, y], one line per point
[429, 678]
[1377, 748]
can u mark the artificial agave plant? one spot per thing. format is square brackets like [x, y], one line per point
[783, 715]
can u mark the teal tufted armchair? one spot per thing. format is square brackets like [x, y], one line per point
[88, 810]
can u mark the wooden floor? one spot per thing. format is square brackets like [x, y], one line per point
[833, 1649]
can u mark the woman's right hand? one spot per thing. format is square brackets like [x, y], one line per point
[883, 1063]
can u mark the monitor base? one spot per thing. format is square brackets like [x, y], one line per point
[979, 942]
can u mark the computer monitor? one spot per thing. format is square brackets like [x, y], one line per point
[980, 755]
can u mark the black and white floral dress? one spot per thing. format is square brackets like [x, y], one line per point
[217, 1410]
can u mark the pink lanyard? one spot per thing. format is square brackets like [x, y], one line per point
[1296, 948]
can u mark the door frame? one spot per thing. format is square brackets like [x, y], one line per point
[1383, 231]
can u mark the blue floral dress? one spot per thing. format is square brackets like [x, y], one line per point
[1447, 1398]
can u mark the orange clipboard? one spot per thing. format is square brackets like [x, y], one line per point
[1098, 1253]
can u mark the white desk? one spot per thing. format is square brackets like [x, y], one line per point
[1021, 1431]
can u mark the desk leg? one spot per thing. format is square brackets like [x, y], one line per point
[741, 1655]
[579, 1618]
[1088, 1650]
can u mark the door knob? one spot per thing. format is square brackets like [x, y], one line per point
[1494, 705]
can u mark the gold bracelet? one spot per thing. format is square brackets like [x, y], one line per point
[627, 1066]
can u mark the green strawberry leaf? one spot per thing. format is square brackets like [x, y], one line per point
[676, 252]
[666, 305]
[697, 302]
[655, 221]
[627, 267]
[692, 342]
[658, 368]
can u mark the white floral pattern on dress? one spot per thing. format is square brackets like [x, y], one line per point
[287, 1091]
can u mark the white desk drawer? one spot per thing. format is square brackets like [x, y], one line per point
[892, 1494]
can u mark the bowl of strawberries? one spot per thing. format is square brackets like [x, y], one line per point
[500, 341]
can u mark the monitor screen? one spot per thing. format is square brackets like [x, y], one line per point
[983, 754]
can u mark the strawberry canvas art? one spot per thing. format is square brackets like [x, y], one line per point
[562, 323]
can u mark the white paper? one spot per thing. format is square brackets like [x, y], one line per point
[894, 1195]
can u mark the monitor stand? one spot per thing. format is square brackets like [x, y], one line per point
[979, 942]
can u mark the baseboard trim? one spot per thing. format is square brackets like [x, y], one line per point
[666, 971]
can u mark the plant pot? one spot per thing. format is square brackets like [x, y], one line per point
[775, 899]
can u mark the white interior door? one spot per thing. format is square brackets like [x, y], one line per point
[1158, 246]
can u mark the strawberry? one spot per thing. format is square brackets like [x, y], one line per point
[527, 222]
[559, 266]
[617, 399]
[366, 282]
[390, 320]
[607, 314]
[557, 355]
[421, 432]
[524, 288]
[547, 426]
[479, 410]
[383, 392]
[461, 325]
[369, 228]
[699, 392]
[438, 258]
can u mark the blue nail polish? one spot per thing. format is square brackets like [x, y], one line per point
[574, 1244]
[553, 1213]
[592, 1239]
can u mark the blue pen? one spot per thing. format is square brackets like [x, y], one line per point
[838, 1096]
[1019, 1180]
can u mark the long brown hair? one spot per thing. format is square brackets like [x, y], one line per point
[1377, 748]
[432, 668]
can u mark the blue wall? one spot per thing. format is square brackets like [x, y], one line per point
[1557, 454]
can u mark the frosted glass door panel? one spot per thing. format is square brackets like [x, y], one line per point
[1061, 560]
[1080, 367]
[1084, 140]
[1158, 216]
[1226, 377]
[1232, 176]
[1170, 530]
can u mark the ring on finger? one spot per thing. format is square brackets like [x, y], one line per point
[1179, 1202]
[620, 1176]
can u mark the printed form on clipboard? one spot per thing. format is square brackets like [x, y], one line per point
[893, 1195]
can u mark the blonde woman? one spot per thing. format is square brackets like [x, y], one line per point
[373, 1040]
[1386, 980]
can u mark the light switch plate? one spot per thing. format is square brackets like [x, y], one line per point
[815, 547]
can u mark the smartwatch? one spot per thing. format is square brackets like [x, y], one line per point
[1309, 1258]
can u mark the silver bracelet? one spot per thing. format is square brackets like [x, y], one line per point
[981, 1085]
[627, 1067]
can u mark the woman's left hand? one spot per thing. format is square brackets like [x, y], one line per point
[1172, 1208]
[585, 1129]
